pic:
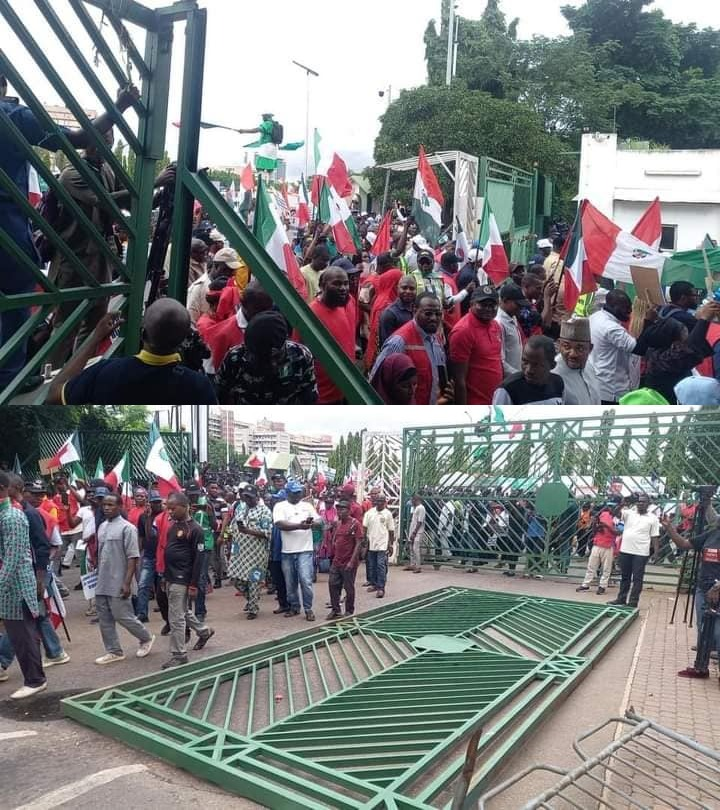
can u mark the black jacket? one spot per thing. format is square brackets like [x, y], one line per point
[39, 542]
[183, 553]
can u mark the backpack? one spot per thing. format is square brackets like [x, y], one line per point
[277, 134]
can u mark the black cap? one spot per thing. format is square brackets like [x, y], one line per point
[449, 258]
[485, 293]
[511, 292]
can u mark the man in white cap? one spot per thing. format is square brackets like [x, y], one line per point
[544, 247]
[575, 345]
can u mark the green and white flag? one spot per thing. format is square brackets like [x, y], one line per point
[428, 201]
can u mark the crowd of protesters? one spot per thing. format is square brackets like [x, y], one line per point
[271, 542]
[175, 549]
[421, 321]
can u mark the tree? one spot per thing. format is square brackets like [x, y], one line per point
[441, 119]
[621, 459]
[457, 462]
[223, 176]
[217, 453]
[651, 457]
[703, 447]
[674, 461]
[125, 156]
[600, 452]
[518, 463]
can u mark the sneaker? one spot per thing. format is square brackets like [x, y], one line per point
[251, 615]
[538, 576]
[203, 640]
[109, 658]
[380, 593]
[166, 630]
[409, 568]
[292, 612]
[691, 672]
[309, 615]
[365, 585]
[78, 587]
[581, 588]
[175, 662]
[28, 691]
[145, 647]
[372, 589]
[62, 590]
[334, 614]
[90, 612]
[417, 570]
[3, 675]
[508, 573]
[600, 591]
[280, 610]
[348, 614]
[63, 658]
[617, 602]
[143, 619]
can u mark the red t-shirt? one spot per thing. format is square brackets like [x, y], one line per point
[66, 512]
[134, 514]
[346, 538]
[341, 323]
[604, 536]
[221, 338]
[480, 346]
[229, 301]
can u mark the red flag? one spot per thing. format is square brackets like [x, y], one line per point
[316, 189]
[649, 228]
[247, 178]
[578, 278]
[383, 242]
[303, 212]
[599, 237]
[337, 174]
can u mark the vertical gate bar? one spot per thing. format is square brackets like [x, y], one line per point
[151, 133]
[195, 35]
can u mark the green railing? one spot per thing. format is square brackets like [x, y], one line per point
[479, 484]
[111, 446]
[149, 59]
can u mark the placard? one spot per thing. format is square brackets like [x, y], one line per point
[647, 285]
[89, 583]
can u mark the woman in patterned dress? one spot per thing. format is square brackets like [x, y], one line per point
[250, 529]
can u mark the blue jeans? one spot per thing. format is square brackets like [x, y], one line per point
[699, 610]
[200, 608]
[298, 570]
[14, 279]
[377, 568]
[145, 585]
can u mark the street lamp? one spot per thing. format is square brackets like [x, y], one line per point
[308, 73]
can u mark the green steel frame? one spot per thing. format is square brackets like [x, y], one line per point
[148, 145]
[667, 454]
[372, 712]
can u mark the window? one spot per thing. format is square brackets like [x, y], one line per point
[669, 237]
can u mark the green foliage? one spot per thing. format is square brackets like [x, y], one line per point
[622, 63]
[621, 459]
[456, 118]
[224, 177]
[347, 452]
[600, 461]
[651, 458]
[520, 457]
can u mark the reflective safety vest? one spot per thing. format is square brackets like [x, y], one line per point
[415, 350]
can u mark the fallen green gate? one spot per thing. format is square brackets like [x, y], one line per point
[143, 42]
[487, 476]
[373, 712]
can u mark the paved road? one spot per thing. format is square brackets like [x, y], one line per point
[48, 760]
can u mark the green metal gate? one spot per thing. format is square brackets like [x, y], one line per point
[479, 483]
[520, 200]
[370, 713]
[144, 37]
[111, 446]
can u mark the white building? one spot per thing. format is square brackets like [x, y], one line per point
[270, 437]
[622, 180]
[223, 425]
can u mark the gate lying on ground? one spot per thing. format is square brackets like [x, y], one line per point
[101, 46]
[479, 483]
[372, 712]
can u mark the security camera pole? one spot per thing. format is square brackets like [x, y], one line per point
[309, 72]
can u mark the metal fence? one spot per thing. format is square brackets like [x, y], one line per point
[111, 446]
[128, 42]
[479, 485]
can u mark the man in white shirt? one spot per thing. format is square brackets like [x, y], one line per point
[512, 300]
[446, 526]
[611, 360]
[416, 535]
[641, 529]
[295, 518]
[379, 528]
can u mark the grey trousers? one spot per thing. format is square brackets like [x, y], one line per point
[181, 614]
[114, 610]
[416, 550]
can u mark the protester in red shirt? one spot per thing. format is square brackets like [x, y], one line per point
[336, 309]
[66, 504]
[348, 494]
[603, 549]
[476, 350]
[140, 508]
[347, 544]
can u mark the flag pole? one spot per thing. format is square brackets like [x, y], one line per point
[708, 272]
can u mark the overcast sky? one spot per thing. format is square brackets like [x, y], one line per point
[357, 48]
[340, 420]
